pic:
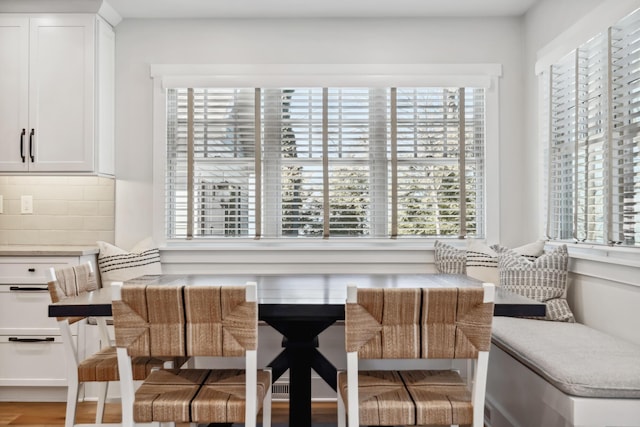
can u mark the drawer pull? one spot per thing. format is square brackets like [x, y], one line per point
[28, 288]
[16, 339]
[31, 270]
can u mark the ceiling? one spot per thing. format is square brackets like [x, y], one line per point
[318, 8]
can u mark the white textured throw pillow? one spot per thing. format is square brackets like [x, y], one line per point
[544, 279]
[116, 264]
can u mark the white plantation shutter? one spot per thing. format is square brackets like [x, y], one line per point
[625, 143]
[356, 149]
[434, 143]
[325, 162]
[474, 161]
[222, 168]
[562, 149]
[594, 152]
[293, 175]
[328, 152]
[591, 136]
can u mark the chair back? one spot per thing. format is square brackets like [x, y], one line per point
[164, 321]
[100, 367]
[418, 323]
[179, 320]
[71, 281]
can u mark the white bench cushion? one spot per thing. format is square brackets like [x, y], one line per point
[578, 360]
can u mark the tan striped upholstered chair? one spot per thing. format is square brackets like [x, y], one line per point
[177, 320]
[415, 323]
[101, 367]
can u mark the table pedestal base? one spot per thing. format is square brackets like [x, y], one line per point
[300, 356]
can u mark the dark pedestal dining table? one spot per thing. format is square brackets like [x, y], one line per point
[300, 307]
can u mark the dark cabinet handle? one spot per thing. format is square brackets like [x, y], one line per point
[33, 131]
[31, 270]
[24, 131]
[16, 339]
[28, 288]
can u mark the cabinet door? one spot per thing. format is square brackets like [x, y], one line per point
[25, 310]
[14, 73]
[29, 361]
[61, 93]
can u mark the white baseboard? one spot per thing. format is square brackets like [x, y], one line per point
[33, 394]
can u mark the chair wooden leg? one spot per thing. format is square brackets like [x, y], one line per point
[127, 388]
[342, 413]
[353, 412]
[72, 403]
[266, 404]
[103, 388]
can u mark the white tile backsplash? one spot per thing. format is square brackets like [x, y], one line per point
[67, 210]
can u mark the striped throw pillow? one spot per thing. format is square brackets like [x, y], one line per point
[544, 279]
[482, 260]
[117, 264]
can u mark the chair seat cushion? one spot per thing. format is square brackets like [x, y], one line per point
[441, 397]
[222, 398]
[196, 395]
[103, 366]
[164, 402]
[416, 397]
[100, 366]
[383, 398]
[578, 360]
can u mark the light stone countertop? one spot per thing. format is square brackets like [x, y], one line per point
[47, 250]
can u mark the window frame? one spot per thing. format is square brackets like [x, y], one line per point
[360, 75]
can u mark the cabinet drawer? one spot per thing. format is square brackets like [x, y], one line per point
[26, 270]
[25, 307]
[26, 363]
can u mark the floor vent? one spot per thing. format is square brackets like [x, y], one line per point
[280, 391]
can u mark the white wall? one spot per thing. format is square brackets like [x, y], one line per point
[140, 43]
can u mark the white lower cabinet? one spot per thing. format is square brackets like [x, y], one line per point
[32, 362]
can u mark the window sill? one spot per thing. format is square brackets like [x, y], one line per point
[334, 244]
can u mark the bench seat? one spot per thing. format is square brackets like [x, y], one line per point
[578, 360]
[560, 374]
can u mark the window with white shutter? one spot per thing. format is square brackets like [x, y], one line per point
[440, 157]
[210, 188]
[625, 132]
[594, 148]
[325, 162]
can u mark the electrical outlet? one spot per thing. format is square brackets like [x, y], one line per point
[26, 204]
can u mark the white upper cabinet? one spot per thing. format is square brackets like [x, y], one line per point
[56, 94]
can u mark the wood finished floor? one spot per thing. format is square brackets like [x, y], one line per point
[44, 414]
